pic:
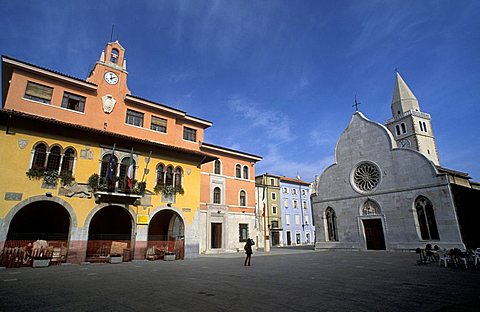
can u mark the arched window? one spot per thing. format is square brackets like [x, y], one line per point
[105, 165]
[123, 174]
[114, 56]
[169, 176]
[370, 208]
[178, 177]
[53, 162]
[67, 161]
[404, 129]
[217, 167]
[245, 172]
[426, 219]
[160, 175]
[421, 125]
[397, 127]
[243, 198]
[216, 195]
[39, 156]
[425, 127]
[331, 219]
[238, 171]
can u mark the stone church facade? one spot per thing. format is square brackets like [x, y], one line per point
[385, 190]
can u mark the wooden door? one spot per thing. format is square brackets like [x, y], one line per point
[216, 235]
[374, 234]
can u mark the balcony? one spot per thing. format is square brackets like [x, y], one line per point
[406, 114]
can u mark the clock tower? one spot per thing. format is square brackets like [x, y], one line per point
[110, 71]
[410, 127]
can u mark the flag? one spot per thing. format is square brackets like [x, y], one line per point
[111, 167]
[130, 171]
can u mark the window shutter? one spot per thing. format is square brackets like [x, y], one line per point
[39, 91]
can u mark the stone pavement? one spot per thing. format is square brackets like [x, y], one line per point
[282, 280]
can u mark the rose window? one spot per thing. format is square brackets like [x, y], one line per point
[366, 177]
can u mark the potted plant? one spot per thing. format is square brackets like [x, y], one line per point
[41, 259]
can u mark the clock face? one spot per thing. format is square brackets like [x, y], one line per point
[111, 78]
[404, 143]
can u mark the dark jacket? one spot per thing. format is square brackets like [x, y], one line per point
[248, 246]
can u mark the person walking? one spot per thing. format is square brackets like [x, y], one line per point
[248, 251]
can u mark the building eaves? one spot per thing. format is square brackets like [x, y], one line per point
[230, 151]
[293, 180]
[453, 172]
[206, 157]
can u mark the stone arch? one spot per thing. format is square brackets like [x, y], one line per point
[370, 207]
[425, 217]
[166, 233]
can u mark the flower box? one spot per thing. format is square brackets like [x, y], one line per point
[115, 259]
[40, 263]
[169, 257]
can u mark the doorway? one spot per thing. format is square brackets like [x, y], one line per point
[216, 235]
[289, 238]
[374, 234]
[275, 238]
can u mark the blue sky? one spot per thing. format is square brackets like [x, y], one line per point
[277, 78]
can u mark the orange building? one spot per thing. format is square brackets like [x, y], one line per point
[78, 154]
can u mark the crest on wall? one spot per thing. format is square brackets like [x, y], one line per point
[108, 103]
[22, 143]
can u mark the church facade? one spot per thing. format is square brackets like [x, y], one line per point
[386, 190]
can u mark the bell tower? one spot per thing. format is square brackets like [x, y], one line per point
[110, 71]
[410, 127]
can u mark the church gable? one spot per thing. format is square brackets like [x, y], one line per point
[368, 162]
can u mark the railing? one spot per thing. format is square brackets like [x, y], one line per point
[20, 253]
[159, 246]
[408, 113]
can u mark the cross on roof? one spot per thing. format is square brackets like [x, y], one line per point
[356, 104]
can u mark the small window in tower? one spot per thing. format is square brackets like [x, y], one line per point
[425, 127]
[421, 126]
[73, 102]
[428, 151]
[404, 129]
[114, 56]
[399, 112]
[397, 127]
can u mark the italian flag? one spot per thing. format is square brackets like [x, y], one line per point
[130, 171]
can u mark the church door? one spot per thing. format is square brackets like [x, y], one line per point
[374, 234]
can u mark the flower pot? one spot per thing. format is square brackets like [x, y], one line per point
[169, 257]
[40, 263]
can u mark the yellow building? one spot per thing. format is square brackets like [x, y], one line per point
[93, 170]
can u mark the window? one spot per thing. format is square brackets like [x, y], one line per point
[73, 102]
[53, 162]
[216, 195]
[158, 124]
[294, 191]
[287, 219]
[189, 134]
[123, 173]
[160, 175]
[67, 161]
[39, 156]
[275, 224]
[331, 220]
[114, 56]
[169, 176]
[425, 127]
[106, 164]
[217, 167]
[297, 236]
[285, 203]
[397, 128]
[306, 219]
[404, 129]
[304, 192]
[421, 125]
[178, 177]
[243, 198]
[295, 204]
[274, 209]
[243, 232]
[38, 92]
[238, 171]
[285, 190]
[134, 118]
[304, 204]
[297, 219]
[426, 219]
[272, 182]
[274, 196]
[245, 172]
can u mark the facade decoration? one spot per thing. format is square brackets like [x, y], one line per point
[108, 103]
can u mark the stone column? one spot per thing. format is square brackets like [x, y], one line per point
[140, 240]
[77, 247]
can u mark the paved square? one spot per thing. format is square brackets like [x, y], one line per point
[284, 280]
